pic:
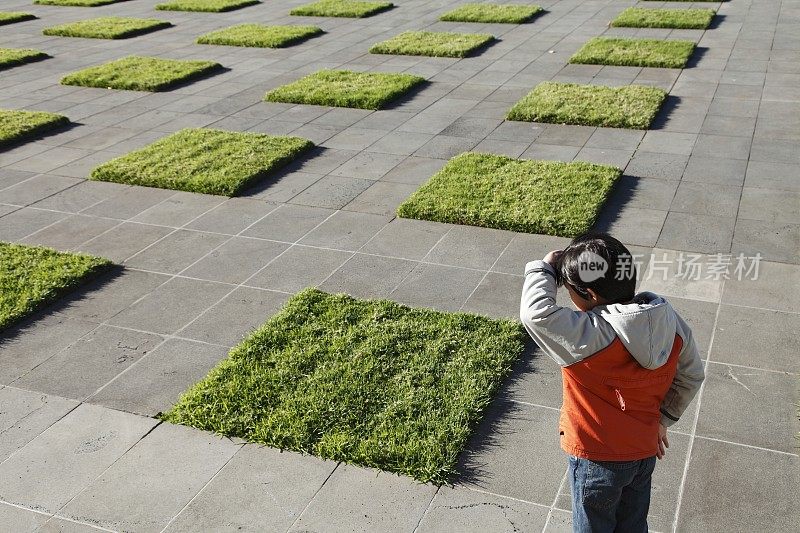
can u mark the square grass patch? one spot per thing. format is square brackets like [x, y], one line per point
[372, 383]
[344, 88]
[136, 73]
[203, 160]
[208, 6]
[10, 57]
[10, 17]
[434, 44]
[632, 106]
[107, 28]
[492, 13]
[689, 19]
[341, 8]
[259, 35]
[76, 3]
[493, 191]
[32, 277]
[17, 125]
[634, 52]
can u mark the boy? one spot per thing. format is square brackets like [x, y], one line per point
[629, 367]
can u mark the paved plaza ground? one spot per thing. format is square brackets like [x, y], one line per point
[81, 382]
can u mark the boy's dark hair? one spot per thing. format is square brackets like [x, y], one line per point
[581, 267]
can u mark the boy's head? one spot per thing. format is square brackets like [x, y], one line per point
[597, 269]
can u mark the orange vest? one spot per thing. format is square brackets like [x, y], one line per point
[611, 406]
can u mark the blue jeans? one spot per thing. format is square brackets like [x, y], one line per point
[610, 496]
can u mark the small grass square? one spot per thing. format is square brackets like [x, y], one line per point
[494, 191]
[632, 106]
[76, 3]
[341, 8]
[372, 383]
[32, 277]
[634, 52]
[344, 88]
[492, 13]
[434, 44]
[208, 6]
[10, 17]
[18, 56]
[16, 125]
[260, 36]
[136, 73]
[688, 19]
[107, 28]
[203, 160]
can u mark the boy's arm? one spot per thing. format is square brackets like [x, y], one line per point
[565, 335]
[688, 378]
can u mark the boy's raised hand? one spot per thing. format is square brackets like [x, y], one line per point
[552, 257]
[663, 443]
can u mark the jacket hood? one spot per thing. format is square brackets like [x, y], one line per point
[646, 327]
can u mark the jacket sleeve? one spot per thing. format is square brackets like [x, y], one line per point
[565, 335]
[688, 378]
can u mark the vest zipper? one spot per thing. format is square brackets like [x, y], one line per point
[620, 399]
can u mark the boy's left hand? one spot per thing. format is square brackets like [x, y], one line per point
[663, 442]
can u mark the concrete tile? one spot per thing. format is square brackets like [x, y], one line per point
[170, 306]
[232, 216]
[722, 146]
[716, 497]
[414, 170]
[401, 142]
[69, 455]
[129, 203]
[680, 232]
[333, 192]
[700, 317]
[781, 176]
[670, 274]
[179, 209]
[10, 177]
[470, 247]
[236, 260]
[445, 147]
[70, 232]
[354, 139]
[154, 481]
[23, 222]
[656, 165]
[176, 251]
[496, 296]
[774, 241]
[551, 152]
[368, 276]
[525, 247]
[299, 267]
[406, 238]
[668, 142]
[123, 241]
[565, 135]
[20, 520]
[632, 225]
[506, 148]
[157, 380]
[61, 525]
[359, 499]
[770, 205]
[37, 188]
[368, 165]
[426, 123]
[345, 230]
[617, 139]
[270, 487]
[438, 287]
[605, 156]
[288, 223]
[78, 197]
[699, 199]
[517, 131]
[771, 290]
[715, 171]
[381, 198]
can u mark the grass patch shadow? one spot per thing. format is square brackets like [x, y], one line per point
[275, 177]
[14, 57]
[59, 125]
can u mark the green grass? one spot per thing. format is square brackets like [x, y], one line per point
[632, 106]
[341, 8]
[343, 88]
[18, 56]
[634, 52]
[136, 73]
[107, 28]
[32, 277]
[203, 160]
[208, 6]
[10, 17]
[76, 3]
[492, 13]
[435, 44]
[18, 125]
[372, 383]
[690, 19]
[258, 35]
[494, 191]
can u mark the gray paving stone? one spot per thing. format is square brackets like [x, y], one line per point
[668, 274]
[299, 267]
[235, 260]
[333, 192]
[496, 296]
[50, 159]
[131, 202]
[157, 380]
[179, 209]
[359, 499]
[288, 223]
[10, 177]
[80, 196]
[153, 481]
[406, 238]
[565, 135]
[774, 241]
[381, 198]
[551, 152]
[23, 222]
[414, 170]
[715, 171]
[722, 146]
[656, 165]
[176, 251]
[715, 480]
[271, 488]
[680, 232]
[61, 525]
[368, 276]
[345, 230]
[439, 287]
[232, 216]
[36, 188]
[770, 205]
[782, 176]
[70, 232]
[354, 138]
[699, 199]
[69, 454]
[368, 165]
[444, 147]
[19, 519]
[517, 131]
[632, 225]
[668, 142]
[470, 247]
[769, 291]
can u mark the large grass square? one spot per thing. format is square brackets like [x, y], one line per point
[107, 28]
[10, 57]
[32, 277]
[341, 8]
[688, 19]
[494, 191]
[492, 13]
[208, 6]
[136, 73]
[372, 383]
[17, 125]
[203, 160]
[434, 44]
[634, 52]
[344, 88]
[10, 17]
[259, 35]
[76, 3]
[632, 106]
